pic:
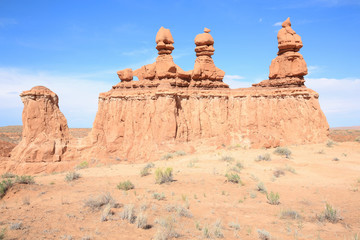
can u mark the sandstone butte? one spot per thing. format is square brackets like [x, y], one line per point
[170, 109]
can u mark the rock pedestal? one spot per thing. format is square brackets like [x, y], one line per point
[289, 67]
[45, 132]
[205, 73]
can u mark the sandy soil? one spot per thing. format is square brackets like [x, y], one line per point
[313, 176]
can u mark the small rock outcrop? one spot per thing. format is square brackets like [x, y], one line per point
[289, 67]
[45, 132]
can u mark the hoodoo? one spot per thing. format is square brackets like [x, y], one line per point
[289, 67]
[45, 134]
[170, 109]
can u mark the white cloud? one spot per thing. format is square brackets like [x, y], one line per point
[277, 24]
[339, 99]
[234, 81]
[260, 20]
[78, 97]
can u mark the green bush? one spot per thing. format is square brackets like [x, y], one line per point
[163, 176]
[330, 214]
[283, 152]
[4, 186]
[273, 198]
[24, 179]
[265, 157]
[261, 187]
[233, 177]
[82, 165]
[125, 185]
[357, 139]
[8, 175]
[227, 158]
[71, 176]
[167, 156]
[144, 172]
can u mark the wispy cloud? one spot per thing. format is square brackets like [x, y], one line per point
[277, 24]
[235, 81]
[339, 99]
[260, 20]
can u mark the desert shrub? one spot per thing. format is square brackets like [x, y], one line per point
[233, 177]
[239, 165]
[8, 175]
[106, 212]
[290, 169]
[206, 232]
[128, 213]
[283, 151]
[125, 185]
[2, 233]
[357, 139]
[163, 176]
[330, 144]
[278, 173]
[24, 179]
[227, 158]
[288, 213]
[16, 226]
[330, 214]
[336, 159]
[253, 195]
[321, 152]
[234, 225]
[141, 221]
[180, 153]
[218, 229]
[158, 196]
[264, 157]
[95, 203]
[71, 176]
[4, 187]
[263, 234]
[167, 156]
[180, 210]
[82, 165]
[150, 165]
[261, 187]
[166, 229]
[144, 172]
[273, 198]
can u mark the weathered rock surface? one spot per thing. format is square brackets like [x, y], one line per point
[137, 124]
[289, 67]
[170, 109]
[45, 132]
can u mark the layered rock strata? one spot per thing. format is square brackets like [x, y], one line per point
[137, 124]
[45, 132]
[169, 109]
[289, 67]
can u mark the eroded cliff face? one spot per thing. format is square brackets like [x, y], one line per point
[45, 132]
[170, 109]
[137, 124]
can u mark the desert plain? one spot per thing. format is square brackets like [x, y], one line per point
[200, 202]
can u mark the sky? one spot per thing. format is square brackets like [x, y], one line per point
[76, 47]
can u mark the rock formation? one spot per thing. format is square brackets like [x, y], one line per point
[205, 73]
[45, 132]
[163, 72]
[169, 109]
[289, 67]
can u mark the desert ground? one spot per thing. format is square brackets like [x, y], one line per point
[200, 202]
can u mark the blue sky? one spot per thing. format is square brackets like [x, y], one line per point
[76, 47]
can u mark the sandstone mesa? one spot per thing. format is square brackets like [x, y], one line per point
[170, 109]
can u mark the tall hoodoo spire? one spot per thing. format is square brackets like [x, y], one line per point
[289, 67]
